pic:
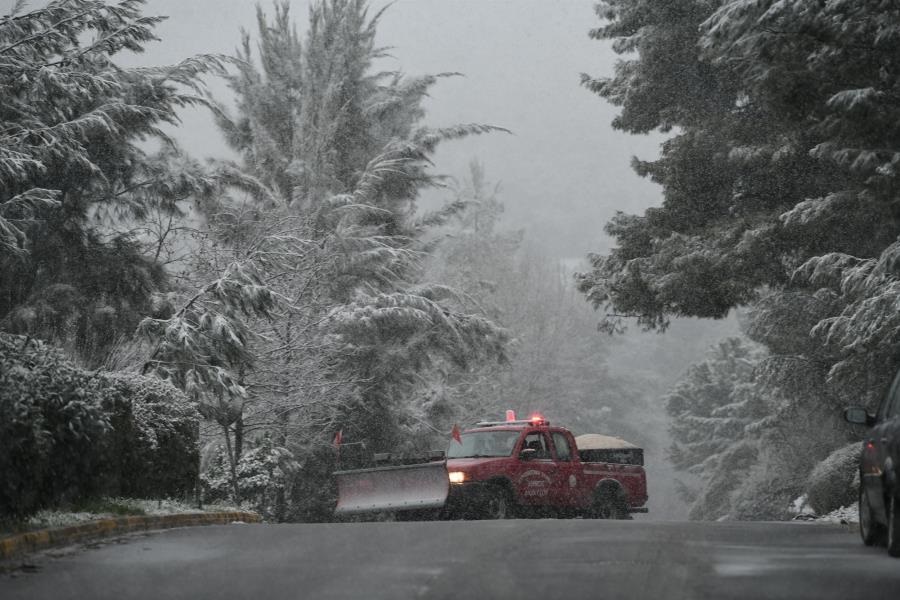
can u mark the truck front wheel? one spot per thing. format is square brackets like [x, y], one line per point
[497, 503]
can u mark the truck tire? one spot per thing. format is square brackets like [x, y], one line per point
[609, 504]
[610, 510]
[893, 527]
[871, 531]
[497, 503]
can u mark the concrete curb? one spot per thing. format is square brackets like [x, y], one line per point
[32, 541]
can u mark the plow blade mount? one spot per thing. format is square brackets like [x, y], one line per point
[396, 488]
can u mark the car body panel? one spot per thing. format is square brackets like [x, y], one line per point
[880, 454]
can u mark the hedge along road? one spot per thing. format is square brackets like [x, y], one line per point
[17, 545]
[471, 559]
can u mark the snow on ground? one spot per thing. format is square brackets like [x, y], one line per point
[173, 507]
[121, 507]
[54, 518]
[845, 514]
[802, 511]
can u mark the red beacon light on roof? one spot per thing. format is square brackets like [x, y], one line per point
[535, 420]
[538, 419]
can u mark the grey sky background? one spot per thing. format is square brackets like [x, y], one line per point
[563, 173]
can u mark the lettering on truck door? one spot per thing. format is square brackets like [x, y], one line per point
[535, 479]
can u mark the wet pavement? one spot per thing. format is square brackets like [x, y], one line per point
[525, 559]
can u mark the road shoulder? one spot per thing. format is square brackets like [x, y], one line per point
[21, 544]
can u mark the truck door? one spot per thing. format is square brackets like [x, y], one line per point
[537, 474]
[566, 485]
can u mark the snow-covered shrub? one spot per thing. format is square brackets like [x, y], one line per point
[833, 482]
[262, 475]
[152, 449]
[67, 434]
[50, 425]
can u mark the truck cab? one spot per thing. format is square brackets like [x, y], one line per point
[498, 469]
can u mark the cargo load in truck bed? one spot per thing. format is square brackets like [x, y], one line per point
[594, 447]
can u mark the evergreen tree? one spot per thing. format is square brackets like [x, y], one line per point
[779, 189]
[317, 317]
[778, 157]
[72, 166]
[713, 408]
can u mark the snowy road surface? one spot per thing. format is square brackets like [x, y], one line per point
[522, 559]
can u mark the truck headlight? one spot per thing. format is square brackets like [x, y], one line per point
[457, 476]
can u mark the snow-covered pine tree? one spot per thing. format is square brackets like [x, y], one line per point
[777, 157]
[344, 147]
[71, 164]
[307, 310]
[711, 408]
[780, 184]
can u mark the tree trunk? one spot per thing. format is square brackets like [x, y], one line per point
[235, 489]
[280, 508]
[238, 439]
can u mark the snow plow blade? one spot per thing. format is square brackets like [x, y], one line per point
[394, 488]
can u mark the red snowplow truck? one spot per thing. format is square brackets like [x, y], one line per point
[506, 469]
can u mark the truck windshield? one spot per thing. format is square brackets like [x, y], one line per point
[483, 444]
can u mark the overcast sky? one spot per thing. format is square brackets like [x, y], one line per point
[563, 173]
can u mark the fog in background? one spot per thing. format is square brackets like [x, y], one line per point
[563, 172]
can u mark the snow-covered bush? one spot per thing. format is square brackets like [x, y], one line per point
[152, 449]
[262, 475]
[833, 482]
[49, 426]
[67, 434]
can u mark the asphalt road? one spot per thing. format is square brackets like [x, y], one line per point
[522, 559]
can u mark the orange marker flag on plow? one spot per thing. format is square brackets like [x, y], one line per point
[455, 433]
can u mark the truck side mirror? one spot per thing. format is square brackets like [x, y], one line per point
[527, 453]
[858, 416]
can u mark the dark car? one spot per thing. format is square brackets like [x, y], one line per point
[879, 471]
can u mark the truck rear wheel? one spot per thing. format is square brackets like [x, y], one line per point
[610, 510]
[609, 504]
[497, 503]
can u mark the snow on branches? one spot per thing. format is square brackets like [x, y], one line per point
[63, 96]
[205, 342]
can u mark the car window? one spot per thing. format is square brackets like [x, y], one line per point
[537, 442]
[562, 447]
[890, 407]
[893, 408]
